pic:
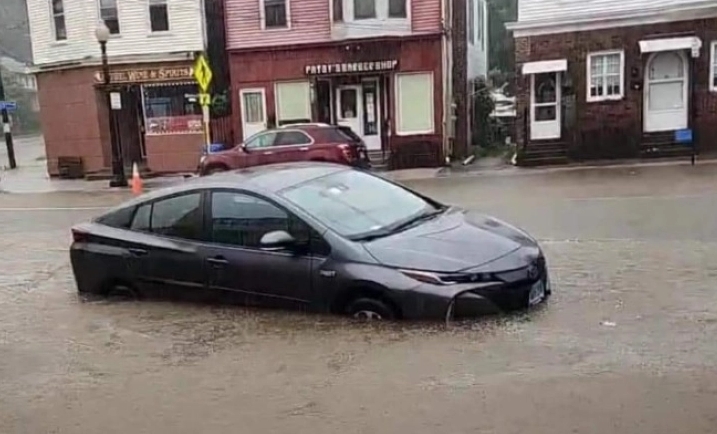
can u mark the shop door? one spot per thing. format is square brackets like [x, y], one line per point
[358, 108]
[545, 106]
[253, 111]
[666, 92]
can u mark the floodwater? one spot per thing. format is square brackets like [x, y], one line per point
[625, 345]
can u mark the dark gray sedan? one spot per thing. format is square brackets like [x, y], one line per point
[316, 236]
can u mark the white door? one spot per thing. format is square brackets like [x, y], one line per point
[348, 107]
[666, 87]
[253, 109]
[371, 115]
[545, 106]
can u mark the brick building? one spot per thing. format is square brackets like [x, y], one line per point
[615, 79]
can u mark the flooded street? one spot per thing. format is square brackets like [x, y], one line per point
[627, 343]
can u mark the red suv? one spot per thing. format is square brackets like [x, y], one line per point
[297, 142]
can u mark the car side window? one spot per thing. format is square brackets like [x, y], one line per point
[242, 220]
[120, 219]
[140, 221]
[178, 216]
[288, 138]
[261, 141]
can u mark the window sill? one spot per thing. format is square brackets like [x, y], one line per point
[161, 34]
[605, 98]
[415, 133]
[59, 43]
[275, 29]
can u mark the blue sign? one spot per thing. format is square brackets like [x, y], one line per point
[8, 105]
[683, 136]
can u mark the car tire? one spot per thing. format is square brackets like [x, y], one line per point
[370, 309]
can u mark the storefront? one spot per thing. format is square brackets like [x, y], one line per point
[389, 92]
[159, 119]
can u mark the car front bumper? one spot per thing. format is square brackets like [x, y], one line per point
[469, 301]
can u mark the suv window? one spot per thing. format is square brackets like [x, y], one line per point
[287, 138]
[178, 216]
[262, 140]
[241, 220]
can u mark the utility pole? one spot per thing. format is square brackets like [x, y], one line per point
[6, 127]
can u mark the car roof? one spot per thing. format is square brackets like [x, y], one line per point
[268, 179]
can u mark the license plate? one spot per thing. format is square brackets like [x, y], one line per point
[537, 293]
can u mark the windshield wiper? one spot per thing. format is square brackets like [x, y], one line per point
[427, 215]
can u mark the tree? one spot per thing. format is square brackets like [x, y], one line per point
[501, 50]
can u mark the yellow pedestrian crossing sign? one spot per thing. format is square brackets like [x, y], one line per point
[203, 73]
[205, 99]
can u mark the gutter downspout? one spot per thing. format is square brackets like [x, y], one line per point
[447, 47]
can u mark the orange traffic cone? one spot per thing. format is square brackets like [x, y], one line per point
[136, 180]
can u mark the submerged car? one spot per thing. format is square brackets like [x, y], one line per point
[313, 236]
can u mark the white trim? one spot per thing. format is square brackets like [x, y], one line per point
[558, 65]
[670, 44]
[149, 18]
[535, 125]
[706, 9]
[713, 66]
[397, 105]
[262, 17]
[588, 64]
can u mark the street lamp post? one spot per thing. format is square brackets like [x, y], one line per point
[119, 179]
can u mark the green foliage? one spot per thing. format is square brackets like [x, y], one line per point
[501, 50]
[482, 108]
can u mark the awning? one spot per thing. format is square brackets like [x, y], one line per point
[545, 66]
[670, 44]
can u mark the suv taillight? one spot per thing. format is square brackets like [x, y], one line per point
[348, 152]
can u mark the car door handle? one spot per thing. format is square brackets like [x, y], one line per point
[138, 252]
[305, 148]
[268, 153]
[219, 260]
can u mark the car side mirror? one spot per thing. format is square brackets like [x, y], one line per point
[277, 240]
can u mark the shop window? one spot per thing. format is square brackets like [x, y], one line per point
[58, 20]
[293, 102]
[414, 103]
[172, 109]
[364, 9]
[713, 66]
[397, 8]
[158, 15]
[110, 15]
[275, 13]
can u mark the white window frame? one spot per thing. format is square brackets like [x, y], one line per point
[382, 13]
[53, 16]
[588, 76]
[397, 105]
[713, 66]
[119, 21]
[149, 17]
[277, 102]
[262, 13]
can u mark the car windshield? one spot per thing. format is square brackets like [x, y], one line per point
[358, 205]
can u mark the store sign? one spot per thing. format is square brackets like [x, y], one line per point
[147, 75]
[351, 67]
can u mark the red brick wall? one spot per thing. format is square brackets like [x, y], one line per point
[624, 117]
[70, 115]
[256, 69]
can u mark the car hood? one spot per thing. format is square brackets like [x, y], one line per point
[455, 241]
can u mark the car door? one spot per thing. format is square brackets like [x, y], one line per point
[291, 145]
[237, 221]
[258, 149]
[171, 259]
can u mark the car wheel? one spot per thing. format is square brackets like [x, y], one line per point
[369, 309]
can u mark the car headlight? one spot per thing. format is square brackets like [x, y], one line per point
[435, 278]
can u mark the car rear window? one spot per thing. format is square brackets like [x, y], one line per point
[339, 135]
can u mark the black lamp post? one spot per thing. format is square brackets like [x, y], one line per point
[118, 176]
